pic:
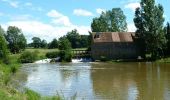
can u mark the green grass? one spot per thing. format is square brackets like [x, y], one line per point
[41, 52]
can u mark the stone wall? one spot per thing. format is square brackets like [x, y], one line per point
[114, 50]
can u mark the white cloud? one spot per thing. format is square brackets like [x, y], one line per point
[132, 6]
[14, 4]
[82, 12]
[54, 14]
[43, 30]
[58, 18]
[99, 10]
[131, 27]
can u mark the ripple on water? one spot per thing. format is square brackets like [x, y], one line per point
[120, 81]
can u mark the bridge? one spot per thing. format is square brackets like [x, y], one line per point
[81, 53]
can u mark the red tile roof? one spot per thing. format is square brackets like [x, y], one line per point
[113, 37]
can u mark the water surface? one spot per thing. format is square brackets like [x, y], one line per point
[116, 81]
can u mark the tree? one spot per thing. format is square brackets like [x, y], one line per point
[36, 42]
[64, 43]
[16, 39]
[65, 49]
[110, 21]
[44, 44]
[149, 23]
[53, 44]
[3, 45]
[84, 41]
[74, 38]
[167, 29]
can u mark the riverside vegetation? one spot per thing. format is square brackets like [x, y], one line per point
[7, 92]
[10, 61]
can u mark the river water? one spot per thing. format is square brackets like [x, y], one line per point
[100, 81]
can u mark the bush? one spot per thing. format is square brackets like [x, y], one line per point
[28, 57]
[52, 54]
[65, 56]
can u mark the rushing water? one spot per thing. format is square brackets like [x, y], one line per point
[116, 81]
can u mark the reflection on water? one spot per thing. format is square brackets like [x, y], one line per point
[120, 81]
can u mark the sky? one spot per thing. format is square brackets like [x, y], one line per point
[49, 19]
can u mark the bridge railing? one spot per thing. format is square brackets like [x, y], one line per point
[81, 53]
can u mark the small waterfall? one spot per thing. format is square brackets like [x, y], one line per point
[81, 60]
[43, 61]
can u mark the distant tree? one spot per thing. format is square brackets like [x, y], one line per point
[110, 21]
[16, 39]
[64, 43]
[53, 44]
[44, 44]
[74, 38]
[36, 42]
[149, 23]
[84, 41]
[65, 49]
[23, 42]
[3, 45]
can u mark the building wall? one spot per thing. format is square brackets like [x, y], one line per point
[114, 50]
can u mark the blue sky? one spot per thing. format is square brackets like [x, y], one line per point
[50, 19]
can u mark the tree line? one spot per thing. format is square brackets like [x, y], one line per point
[13, 41]
[76, 40]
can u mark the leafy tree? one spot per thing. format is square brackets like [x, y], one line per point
[167, 30]
[3, 45]
[36, 42]
[16, 39]
[149, 23]
[64, 43]
[84, 41]
[44, 44]
[23, 42]
[65, 49]
[110, 21]
[74, 38]
[53, 44]
[77, 40]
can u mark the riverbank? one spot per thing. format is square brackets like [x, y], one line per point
[7, 92]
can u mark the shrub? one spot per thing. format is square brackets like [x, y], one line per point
[52, 54]
[65, 55]
[28, 57]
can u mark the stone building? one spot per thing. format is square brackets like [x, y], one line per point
[113, 45]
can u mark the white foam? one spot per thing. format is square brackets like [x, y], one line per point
[43, 61]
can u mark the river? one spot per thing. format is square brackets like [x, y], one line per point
[100, 81]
